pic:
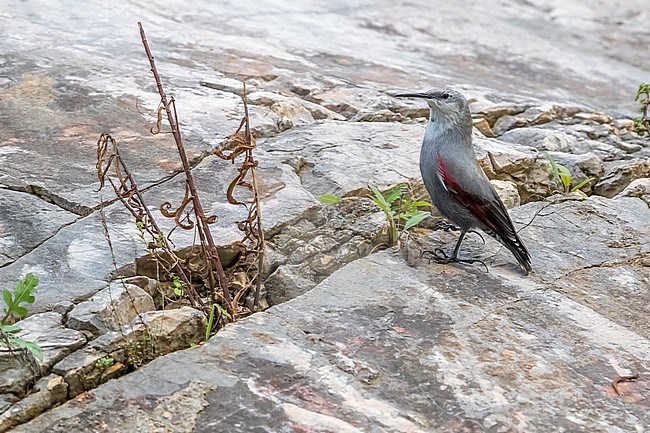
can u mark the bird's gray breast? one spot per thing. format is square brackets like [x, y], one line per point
[438, 150]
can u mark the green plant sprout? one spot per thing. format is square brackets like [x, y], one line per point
[642, 124]
[178, 284]
[400, 211]
[209, 324]
[104, 362]
[15, 310]
[562, 176]
[329, 199]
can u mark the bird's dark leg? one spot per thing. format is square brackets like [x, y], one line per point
[439, 256]
[460, 241]
[444, 225]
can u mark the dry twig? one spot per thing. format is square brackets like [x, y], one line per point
[191, 193]
[620, 379]
[129, 194]
[253, 242]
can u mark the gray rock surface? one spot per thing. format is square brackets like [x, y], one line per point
[620, 174]
[55, 340]
[528, 169]
[507, 192]
[19, 371]
[323, 241]
[49, 391]
[581, 166]
[638, 188]
[80, 93]
[541, 139]
[25, 222]
[381, 346]
[151, 334]
[76, 263]
[110, 309]
[343, 157]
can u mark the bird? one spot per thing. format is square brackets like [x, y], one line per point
[458, 186]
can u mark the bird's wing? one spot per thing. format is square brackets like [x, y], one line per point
[478, 196]
[470, 187]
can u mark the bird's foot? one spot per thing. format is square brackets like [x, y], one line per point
[439, 256]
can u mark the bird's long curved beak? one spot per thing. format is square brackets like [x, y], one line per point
[412, 95]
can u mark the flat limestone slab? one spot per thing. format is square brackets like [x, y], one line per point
[76, 262]
[26, 221]
[380, 346]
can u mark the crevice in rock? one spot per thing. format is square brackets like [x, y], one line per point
[605, 264]
[312, 248]
[18, 257]
[50, 197]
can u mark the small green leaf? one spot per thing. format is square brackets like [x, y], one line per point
[417, 204]
[408, 214]
[560, 173]
[10, 329]
[554, 170]
[222, 311]
[32, 347]
[329, 199]
[416, 219]
[581, 184]
[31, 281]
[178, 286]
[644, 88]
[6, 295]
[379, 199]
[386, 207]
[394, 194]
[566, 181]
[20, 311]
[208, 326]
[563, 170]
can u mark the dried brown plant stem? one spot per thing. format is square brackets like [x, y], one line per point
[258, 208]
[129, 194]
[620, 379]
[252, 243]
[212, 255]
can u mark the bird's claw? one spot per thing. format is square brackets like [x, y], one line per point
[440, 257]
[470, 262]
[436, 255]
[479, 235]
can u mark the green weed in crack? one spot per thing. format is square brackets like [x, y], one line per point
[128, 352]
[127, 191]
[197, 276]
[15, 308]
[401, 209]
[563, 178]
[642, 123]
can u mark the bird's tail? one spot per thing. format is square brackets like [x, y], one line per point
[518, 249]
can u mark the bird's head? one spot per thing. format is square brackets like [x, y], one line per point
[447, 105]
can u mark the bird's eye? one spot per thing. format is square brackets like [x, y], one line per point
[446, 96]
